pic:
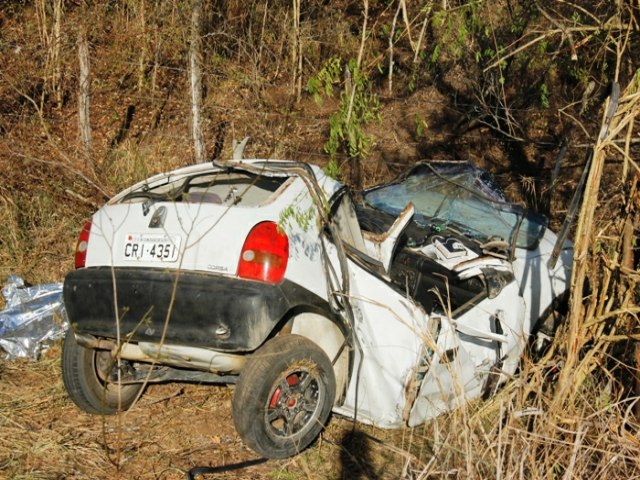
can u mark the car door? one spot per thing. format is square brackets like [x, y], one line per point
[389, 328]
[390, 333]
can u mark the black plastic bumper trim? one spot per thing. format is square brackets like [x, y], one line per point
[208, 310]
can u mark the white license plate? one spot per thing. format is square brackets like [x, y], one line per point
[151, 247]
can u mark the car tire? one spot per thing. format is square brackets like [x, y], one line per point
[84, 371]
[284, 396]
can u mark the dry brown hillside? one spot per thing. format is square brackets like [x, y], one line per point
[366, 88]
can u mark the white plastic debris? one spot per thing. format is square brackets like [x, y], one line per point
[33, 318]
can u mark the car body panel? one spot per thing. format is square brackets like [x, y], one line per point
[391, 330]
[539, 284]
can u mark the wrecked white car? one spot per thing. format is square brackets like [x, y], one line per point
[267, 274]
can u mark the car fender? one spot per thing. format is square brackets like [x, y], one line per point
[329, 337]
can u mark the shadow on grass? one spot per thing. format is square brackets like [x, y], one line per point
[355, 457]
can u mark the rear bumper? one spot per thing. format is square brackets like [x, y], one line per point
[199, 309]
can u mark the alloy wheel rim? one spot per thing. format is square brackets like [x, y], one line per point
[294, 402]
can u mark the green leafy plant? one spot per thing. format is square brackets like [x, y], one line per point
[291, 215]
[455, 29]
[421, 125]
[322, 83]
[358, 107]
[544, 95]
[332, 168]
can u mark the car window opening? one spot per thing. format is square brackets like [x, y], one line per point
[458, 198]
[229, 188]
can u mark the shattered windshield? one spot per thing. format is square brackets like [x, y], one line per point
[460, 196]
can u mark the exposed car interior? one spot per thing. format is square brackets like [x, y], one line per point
[228, 188]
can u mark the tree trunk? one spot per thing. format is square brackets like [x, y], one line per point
[51, 38]
[56, 80]
[195, 74]
[296, 53]
[84, 97]
[356, 176]
[391, 43]
[142, 59]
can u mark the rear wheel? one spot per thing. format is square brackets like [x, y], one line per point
[284, 396]
[86, 372]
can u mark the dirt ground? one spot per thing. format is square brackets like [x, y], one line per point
[172, 429]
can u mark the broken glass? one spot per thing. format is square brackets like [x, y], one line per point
[460, 196]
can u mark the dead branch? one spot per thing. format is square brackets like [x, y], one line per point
[84, 99]
[391, 43]
[425, 22]
[539, 38]
[566, 33]
[195, 77]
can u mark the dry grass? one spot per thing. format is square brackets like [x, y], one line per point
[45, 436]
[174, 428]
[518, 434]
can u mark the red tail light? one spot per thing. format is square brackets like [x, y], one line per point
[265, 254]
[81, 246]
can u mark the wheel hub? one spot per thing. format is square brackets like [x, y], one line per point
[293, 402]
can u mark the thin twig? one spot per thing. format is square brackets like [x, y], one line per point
[539, 38]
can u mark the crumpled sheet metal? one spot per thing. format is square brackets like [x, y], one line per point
[33, 318]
